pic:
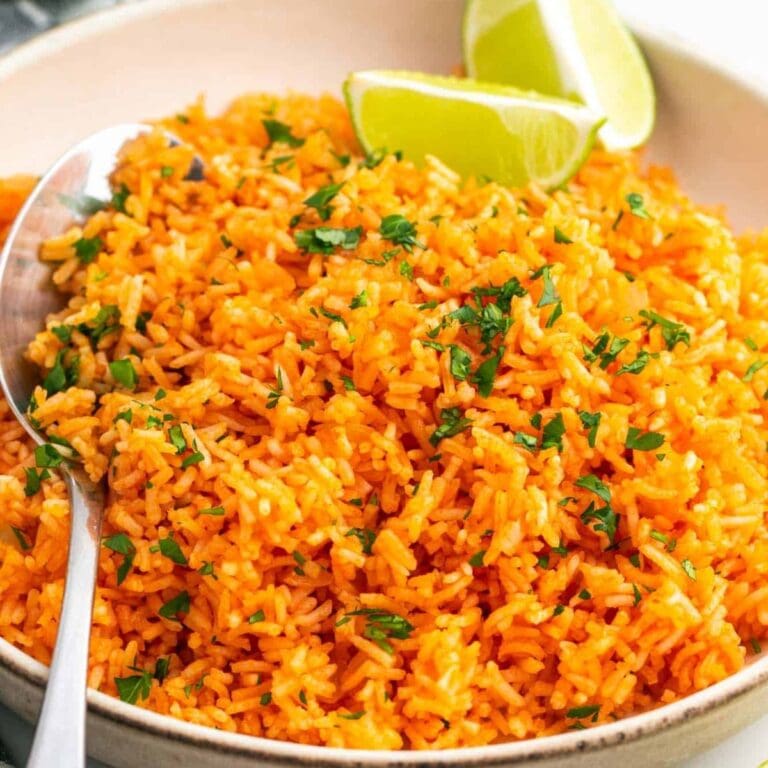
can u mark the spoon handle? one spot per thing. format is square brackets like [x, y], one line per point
[60, 734]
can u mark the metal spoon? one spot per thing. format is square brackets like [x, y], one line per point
[63, 197]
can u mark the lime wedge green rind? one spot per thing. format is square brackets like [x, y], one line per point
[478, 129]
[576, 49]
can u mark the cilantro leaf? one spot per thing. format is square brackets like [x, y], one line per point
[87, 249]
[121, 544]
[321, 199]
[170, 549]
[673, 333]
[590, 421]
[175, 606]
[453, 423]
[607, 519]
[460, 363]
[325, 240]
[552, 434]
[594, 484]
[549, 295]
[637, 365]
[485, 374]
[638, 440]
[637, 205]
[280, 132]
[131, 689]
[399, 231]
[365, 536]
[124, 373]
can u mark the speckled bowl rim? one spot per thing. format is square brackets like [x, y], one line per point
[563, 745]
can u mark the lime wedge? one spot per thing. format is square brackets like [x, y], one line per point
[477, 129]
[574, 49]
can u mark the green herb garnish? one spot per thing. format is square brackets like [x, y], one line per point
[638, 440]
[320, 201]
[280, 132]
[325, 240]
[399, 231]
[453, 423]
[124, 373]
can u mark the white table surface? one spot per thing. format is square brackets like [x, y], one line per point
[734, 33]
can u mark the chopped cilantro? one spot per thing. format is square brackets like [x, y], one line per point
[124, 373]
[175, 606]
[365, 536]
[688, 567]
[275, 394]
[585, 594]
[131, 689]
[47, 457]
[321, 200]
[590, 421]
[638, 440]
[21, 538]
[579, 713]
[170, 549]
[592, 483]
[325, 240]
[552, 434]
[399, 231]
[476, 561]
[87, 249]
[637, 206]
[607, 519]
[381, 626]
[561, 237]
[460, 363]
[673, 333]
[528, 442]
[34, 478]
[257, 617]
[352, 715]
[638, 596]
[122, 545]
[119, 198]
[213, 511]
[406, 270]
[280, 132]
[359, 300]
[166, 171]
[63, 333]
[637, 365]
[193, 458]
[176, 436]
[485, 374]
[556, 313]
[452, 423]
[161, 668]
[349, 384]
[549, 295]
[753, 369]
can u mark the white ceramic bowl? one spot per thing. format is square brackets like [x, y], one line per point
[152, 58]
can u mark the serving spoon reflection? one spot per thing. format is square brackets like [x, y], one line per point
[65, 195]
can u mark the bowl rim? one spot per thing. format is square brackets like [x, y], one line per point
[633, 728]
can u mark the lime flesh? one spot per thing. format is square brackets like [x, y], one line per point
[478, 129]
[574, 49]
